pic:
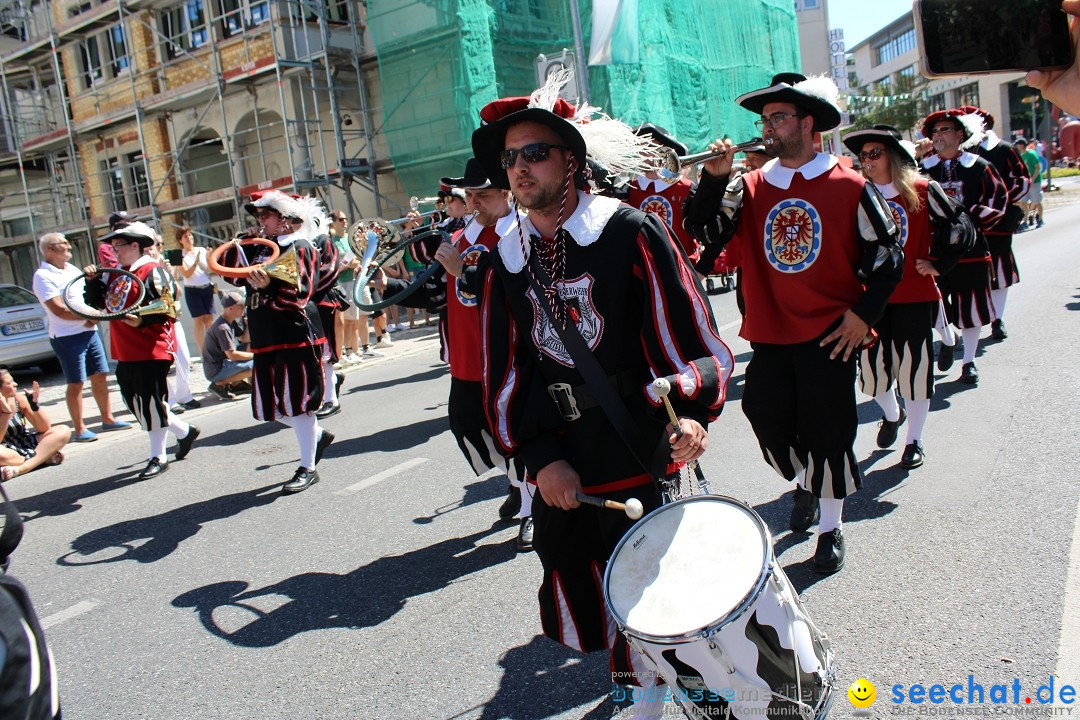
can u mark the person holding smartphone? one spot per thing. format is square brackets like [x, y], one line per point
[1062, 87]
[975, 183]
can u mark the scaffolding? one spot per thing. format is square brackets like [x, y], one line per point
[177, 111]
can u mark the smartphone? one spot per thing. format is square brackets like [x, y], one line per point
[974, 37]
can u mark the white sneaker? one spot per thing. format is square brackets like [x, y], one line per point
[372, 353]
[340, 363]
[385, 340]
[352, 358]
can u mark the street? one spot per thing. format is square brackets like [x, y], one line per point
[391, 590]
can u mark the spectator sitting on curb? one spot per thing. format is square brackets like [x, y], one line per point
[223, 362]
[28, 438]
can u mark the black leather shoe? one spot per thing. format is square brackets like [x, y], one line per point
[998, 331]
[511, 505]
[153, 468]
[191, 404]
[183, 447]
[829, 556]
[302, 479]
[324, 441]
[327, 410]
[339, 377]
[913, 455]
[969, 374]
[805, 512]
[886, 434]
[525, 535]
[945, 357]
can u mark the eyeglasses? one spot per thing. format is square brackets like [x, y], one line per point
[339, 219]
[532, 153]
[775, 120]
[265, 212]
[943, 129]
[871, 154]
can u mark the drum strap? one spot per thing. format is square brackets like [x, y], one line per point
[591, 372]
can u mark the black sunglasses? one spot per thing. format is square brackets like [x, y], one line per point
[871, 154]
[532, 153]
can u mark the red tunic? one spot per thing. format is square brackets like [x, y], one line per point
[916, 238]
[154, 339]
[461, 311]
[799, 250]
[667, 202]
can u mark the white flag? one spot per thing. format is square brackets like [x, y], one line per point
[614, 32]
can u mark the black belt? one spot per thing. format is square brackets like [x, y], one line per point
[572, 400]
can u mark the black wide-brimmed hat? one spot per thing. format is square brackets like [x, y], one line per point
[474, 179]
[887, 135]
[817, 96]
[660, 136]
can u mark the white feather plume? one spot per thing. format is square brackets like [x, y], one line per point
[973, 124]
[546, 96]
[820, 86]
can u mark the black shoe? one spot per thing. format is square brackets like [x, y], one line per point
[829, 556]
[997, 330]
[325, 439]
[511, 505]
[327, 410]
[913, 455]
[886, 434]
[339, 377]
[945, 358]
[969, 374]
[183, 446]
[805, 512]
[153, 468]
[525, 535]
[302, 479]
[240, 387]
[191, 404]
[221, 391]
[177, 409]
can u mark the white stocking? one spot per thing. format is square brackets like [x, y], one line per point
[306, 427]
[158, 438]
[832, 511]
[329, 383]
[917, 410]
[888, 403]
[971, 343]
[999, 297]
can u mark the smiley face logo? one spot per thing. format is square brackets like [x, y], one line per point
[862, 693]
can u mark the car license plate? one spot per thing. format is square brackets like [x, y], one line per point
[23, 327]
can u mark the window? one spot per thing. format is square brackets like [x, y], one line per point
[112, 43]
[125, 182]
[810, 4]
[118, 59]
[184, 27]
[906, 79]
[968, 94]
[90, 61]
[937, 102]
[241, 15]
[894, 47]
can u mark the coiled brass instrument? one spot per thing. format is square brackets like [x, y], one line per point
[282, 266]
[164, 305]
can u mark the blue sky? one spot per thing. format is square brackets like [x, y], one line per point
[860, 18]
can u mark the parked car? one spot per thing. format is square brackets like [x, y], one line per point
[24, 331]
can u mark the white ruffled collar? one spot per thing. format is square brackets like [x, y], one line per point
[143, 260]
[887, 190]
[473, 229]
[991, 141]
[780, 176]
[287, 240]
[584, 226]
[659, 184]
[966, 159]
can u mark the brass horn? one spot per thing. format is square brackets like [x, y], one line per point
[164, 305]
[674, 164]
[372, 238]
[285, 268]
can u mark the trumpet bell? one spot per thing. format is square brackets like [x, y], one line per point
[285, 268]
[372, 238]
[164, 305]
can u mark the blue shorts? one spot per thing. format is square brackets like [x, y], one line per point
[200, 300]
[231, 368]
[81, 355]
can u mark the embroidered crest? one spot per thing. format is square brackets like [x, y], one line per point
[117, 296]
[580, 308]
[658, 205]
[900, 217]
[469, 258]
[792, 236]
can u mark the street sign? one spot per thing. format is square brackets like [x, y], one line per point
[546, 65]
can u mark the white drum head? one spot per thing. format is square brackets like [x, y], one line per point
[686, 567]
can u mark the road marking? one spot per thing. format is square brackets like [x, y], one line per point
[728, 326]
[1068, 664]
[379, 477]
[74, 611]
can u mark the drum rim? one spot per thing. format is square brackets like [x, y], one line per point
[711, 629]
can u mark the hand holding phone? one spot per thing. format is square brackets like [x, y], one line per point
[1062, 87]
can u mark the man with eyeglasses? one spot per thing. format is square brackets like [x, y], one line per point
[143, 345]
[75, 341]
[618, 278]
[974, 183]
[813, 289]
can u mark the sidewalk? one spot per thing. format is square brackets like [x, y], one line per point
[53, 389]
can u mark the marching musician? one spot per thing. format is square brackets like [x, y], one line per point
[812, 293]
[287, 339]
[973, 182]
[664, 196]
[934, 231]
[1014, 173]
[143, 345]
[617, 277]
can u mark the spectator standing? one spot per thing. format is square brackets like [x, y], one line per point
[75, 341]
[1032, 202]
[198, 286]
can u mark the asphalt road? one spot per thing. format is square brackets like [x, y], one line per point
[389, 590]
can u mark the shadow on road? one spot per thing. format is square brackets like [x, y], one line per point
[240, 435]
[434, 373]
[64, 500]
[481, 490]
[149, 539]
[405, 437]
[365, 597]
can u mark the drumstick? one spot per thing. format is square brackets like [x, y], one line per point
[662, 387]
[632, 507]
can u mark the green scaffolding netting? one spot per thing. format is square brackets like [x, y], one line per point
[440, 61]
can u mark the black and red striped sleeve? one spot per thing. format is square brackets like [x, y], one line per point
[989, 209]
[678, 331]
[1015, 174]
[519, 411]
[329, 267]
